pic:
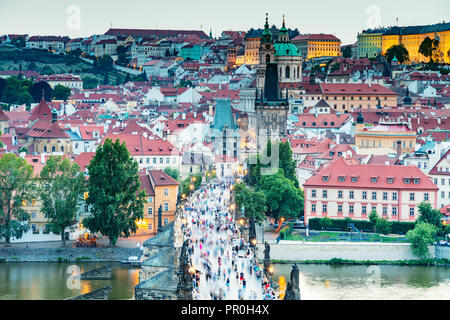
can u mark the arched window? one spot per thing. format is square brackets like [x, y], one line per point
[53, 149]
[288, 72]
[62, 148]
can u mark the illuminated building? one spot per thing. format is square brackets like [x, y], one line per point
[318, 45]
[372, 42]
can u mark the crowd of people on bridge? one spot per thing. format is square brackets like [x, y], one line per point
[225, 265]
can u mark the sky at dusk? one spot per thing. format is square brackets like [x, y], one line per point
[343, 18]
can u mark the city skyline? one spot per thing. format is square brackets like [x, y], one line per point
[308, 17]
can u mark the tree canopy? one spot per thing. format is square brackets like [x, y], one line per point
[398, 51]
[284, 200]
[15, 188]
[61, 192]
[428, 47]
[253, 202]
[429, 215]
[115, 199]
[36, 91]
[423, 235]
[61, 92]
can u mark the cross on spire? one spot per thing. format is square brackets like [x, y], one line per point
[283, 22]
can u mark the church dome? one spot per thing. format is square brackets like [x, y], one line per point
[286, 49]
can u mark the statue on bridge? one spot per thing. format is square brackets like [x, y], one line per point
[185, 286]
[266, 258]
[293, 286]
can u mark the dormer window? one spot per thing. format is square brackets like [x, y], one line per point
[374, 179]
[354, 179]
[390, 180]
[325, 178]
[416, 180]
[341, 178]
[407, 181]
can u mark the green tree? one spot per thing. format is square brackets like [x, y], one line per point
[61, 192]
[428, 47]
[254, 202]
[121, 54]
[284, 200]
[174, 173]
[383, 226]
[347, 51]
[105, 62]
[429, 215]
[47, 70]
[423, 235]
[61, 92]
[15, 187]
[325, 223]
[373, 217]
[89, 82]
[115, 199]
[286, 163]
[398, 51]
[37, 89]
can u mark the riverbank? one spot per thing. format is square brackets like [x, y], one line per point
[286, 250]
[338, 261]
[106, 254]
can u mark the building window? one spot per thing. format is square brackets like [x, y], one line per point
[150, 211]
[426, 196]
[351, 195]
[442, 194]
[161, 160]
[166, 206]
[374, 179]
[150, 226]
[166, 192]
[394, 211]
[340, 194]
[385, 210]
[324, 194]
[411, 211]
[364, 210]
[411, 196]
[324, 207]
[150, 199]
[166, 221]
[394, 195]
[374, 195]
[313, 193]
[340, 208]
[313, 207]
[364, 194]
[350, 209]
[385, 195]
[154, 160]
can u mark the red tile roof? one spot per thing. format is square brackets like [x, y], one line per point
[160, 178]
[84, 159]
[354, 89]
[319, 36]
[436, 170]
[41, 112]
[365, 173]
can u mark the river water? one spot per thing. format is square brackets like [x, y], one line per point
[51, 281]
[377, 282]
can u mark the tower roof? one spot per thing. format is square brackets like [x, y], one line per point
[266, 36]
[41, 112]
[223, 115]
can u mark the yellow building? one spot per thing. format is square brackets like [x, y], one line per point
[371, 42]
[384, 138]
[162, 191]
[318, 45]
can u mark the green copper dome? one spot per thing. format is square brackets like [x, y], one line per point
[286, 49]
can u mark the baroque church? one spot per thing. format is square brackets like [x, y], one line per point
[280, 63]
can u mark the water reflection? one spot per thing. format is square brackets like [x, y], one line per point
[51, 281]
[320, 282]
